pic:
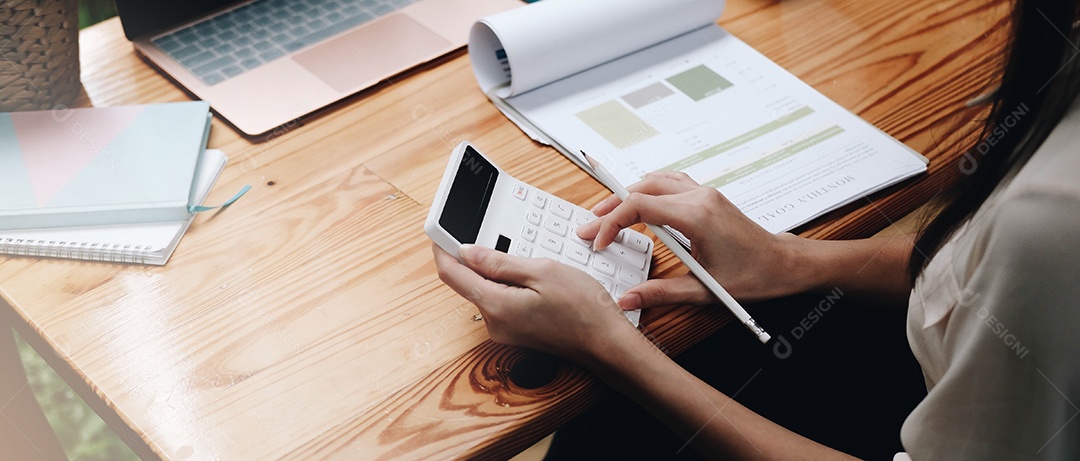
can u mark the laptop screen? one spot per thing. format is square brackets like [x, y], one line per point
[140, 17]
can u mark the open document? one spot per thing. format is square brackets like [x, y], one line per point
[656, 85]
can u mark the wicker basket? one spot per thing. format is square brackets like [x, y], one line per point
[39, 54]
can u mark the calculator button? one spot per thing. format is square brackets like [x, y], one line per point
[583, 218]
[578, 254]
[578, 240]
[520, 192]
[529, 233]
[542, 253]
[604, 266]
[604, 281]
[620, 236]
[561, 209]
[556, 227]
[539, 200]
[629, 277]
[629, 257]
[636, 241]
[524, 250]
[533, 217]
[551, 243]
[619, 290]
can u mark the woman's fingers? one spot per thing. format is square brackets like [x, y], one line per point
[664, 182]
[685, 289]
[588, 231]
[605, 206]
[671, 210]
[469, 283]
[655, 184]
[658, 183]
[499, 266]
[674, 175]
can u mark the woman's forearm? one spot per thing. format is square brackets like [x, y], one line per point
[711, 422]
[874, 268]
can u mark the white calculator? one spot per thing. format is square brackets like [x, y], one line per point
[479, 203]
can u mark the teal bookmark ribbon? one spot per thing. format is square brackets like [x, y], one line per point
[200, 208]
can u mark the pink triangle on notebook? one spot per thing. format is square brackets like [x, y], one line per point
[57, 145]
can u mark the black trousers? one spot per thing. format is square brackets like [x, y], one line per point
[846, 379]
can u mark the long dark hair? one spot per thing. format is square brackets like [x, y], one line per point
[1038, 83]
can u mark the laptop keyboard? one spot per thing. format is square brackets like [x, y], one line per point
[256, 33]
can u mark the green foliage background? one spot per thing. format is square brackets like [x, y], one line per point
[84, 436]
[94, 11]
[82, 433]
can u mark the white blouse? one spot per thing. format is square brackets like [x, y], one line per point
[994, 321]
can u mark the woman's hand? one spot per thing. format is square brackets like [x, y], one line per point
[554, 308]
[750, 262]
[535, 303]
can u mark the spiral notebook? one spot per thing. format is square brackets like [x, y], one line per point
[149, 243]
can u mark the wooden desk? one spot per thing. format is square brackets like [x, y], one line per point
[308, 321]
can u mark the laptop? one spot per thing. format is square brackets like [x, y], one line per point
[263, 63]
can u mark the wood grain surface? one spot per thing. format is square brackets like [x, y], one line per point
[307, 320]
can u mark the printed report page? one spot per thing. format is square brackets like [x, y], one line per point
[707, 104]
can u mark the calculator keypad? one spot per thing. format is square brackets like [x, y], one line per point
[549, 231]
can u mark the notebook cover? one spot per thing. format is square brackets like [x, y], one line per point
[141, 243]
[94, 166]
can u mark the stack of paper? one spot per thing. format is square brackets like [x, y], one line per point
[112, 184]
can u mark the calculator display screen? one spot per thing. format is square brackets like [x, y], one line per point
[469, 196]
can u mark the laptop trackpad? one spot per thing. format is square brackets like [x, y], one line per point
[379, 49]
